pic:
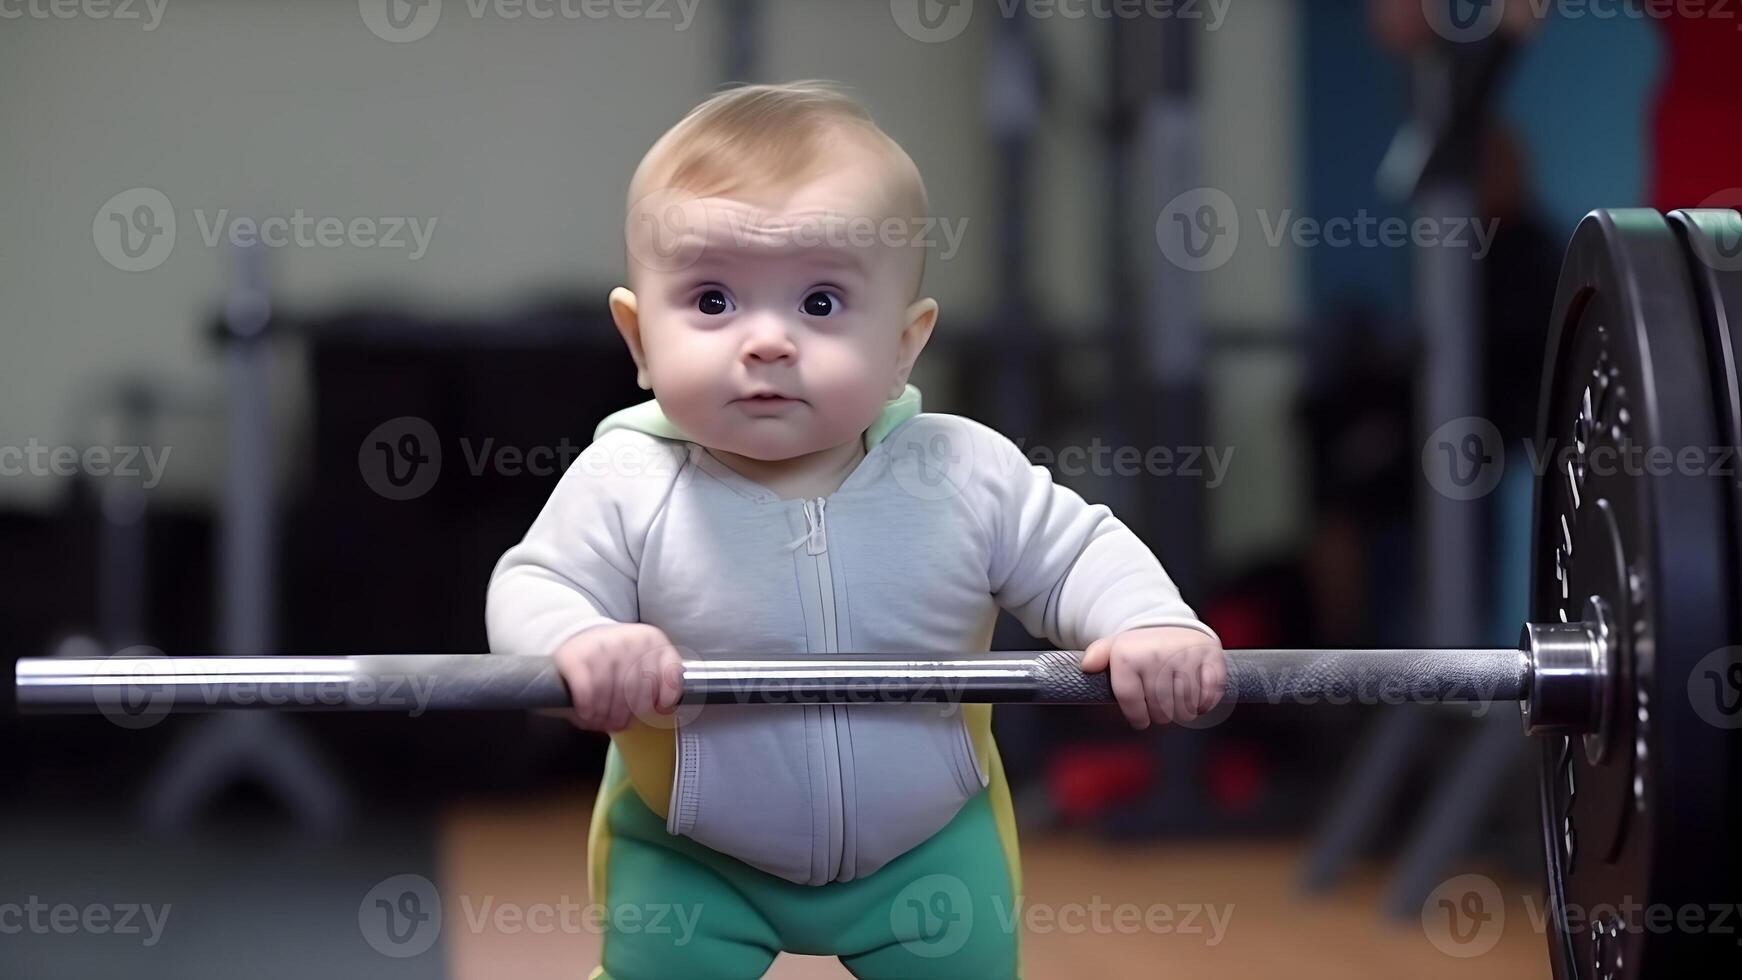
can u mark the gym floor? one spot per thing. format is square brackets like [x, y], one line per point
[243, 894]
[534, 853]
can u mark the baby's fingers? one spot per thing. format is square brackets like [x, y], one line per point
[1128, 691]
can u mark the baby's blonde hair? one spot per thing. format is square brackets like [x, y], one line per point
[753, 136]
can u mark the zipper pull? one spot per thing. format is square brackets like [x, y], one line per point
[815, 537]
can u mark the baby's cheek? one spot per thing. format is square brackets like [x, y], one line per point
[865, 353]
[681, 355]
[858, 388]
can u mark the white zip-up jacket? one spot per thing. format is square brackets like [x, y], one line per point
[943, 522]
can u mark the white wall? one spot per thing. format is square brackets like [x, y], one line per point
[516, 137]
[1249, 79]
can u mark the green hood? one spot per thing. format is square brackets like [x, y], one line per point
[648, 417]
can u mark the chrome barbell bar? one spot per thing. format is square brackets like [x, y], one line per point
[1558, 673]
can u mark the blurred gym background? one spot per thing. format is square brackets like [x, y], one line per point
[1292, 382]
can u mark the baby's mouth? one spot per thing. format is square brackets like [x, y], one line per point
[767, 405]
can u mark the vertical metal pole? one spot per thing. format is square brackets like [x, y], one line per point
[1173, 357]
[1012, 101]
[1118, 405]
[248, 572]
[267, 747]
[1446, 290]
[121, 544]
[739, 63]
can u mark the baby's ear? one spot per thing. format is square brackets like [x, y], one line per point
[920, 317]
[923, 315]
[623, 306]
[626, 314]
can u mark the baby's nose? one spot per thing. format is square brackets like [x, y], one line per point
[769, 339]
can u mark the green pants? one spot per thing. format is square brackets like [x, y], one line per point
[674, 908]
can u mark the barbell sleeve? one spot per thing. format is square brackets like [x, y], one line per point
[482, 682]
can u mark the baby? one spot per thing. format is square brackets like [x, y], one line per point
[783, 493]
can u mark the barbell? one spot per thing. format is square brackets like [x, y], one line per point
[1557, 667]
[1629, 674]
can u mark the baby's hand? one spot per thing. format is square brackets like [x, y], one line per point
[618, 672]
[1161, 673]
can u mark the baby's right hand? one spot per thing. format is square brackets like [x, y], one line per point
[619, 672]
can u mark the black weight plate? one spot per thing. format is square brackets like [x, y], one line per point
[1629, 820]
[1713, 241]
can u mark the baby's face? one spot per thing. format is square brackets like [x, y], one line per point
[784, 327]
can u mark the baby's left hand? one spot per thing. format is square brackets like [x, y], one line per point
[1161, 673]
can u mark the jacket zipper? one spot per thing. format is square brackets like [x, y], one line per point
[831, 718]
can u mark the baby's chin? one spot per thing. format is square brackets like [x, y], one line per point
[772, 440]
[771, 446]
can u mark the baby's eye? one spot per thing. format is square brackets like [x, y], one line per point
[821, 303]
[713, 303]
